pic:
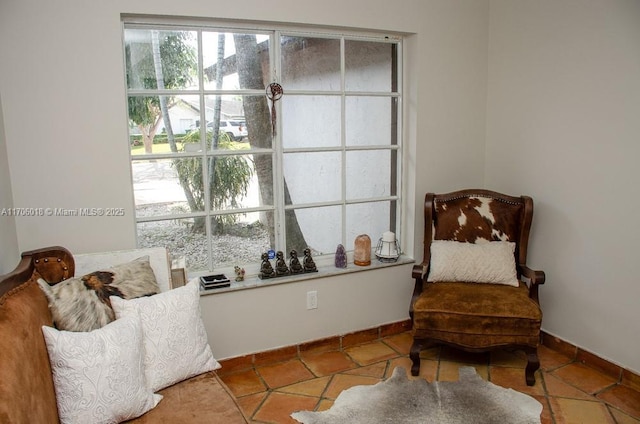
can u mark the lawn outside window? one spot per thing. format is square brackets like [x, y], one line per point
[222, 193]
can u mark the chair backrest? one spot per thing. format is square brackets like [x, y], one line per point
[473, 215]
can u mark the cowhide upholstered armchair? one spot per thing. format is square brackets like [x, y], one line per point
[473, 289]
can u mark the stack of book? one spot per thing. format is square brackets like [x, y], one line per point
[218, 281]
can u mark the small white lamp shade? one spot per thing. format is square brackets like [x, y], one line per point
[387, 249]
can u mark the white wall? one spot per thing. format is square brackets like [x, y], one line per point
[558, 85]
[446, 100]
[65, 57]
[563, 125]
[10, 254]
[563, 91]
[260, 319]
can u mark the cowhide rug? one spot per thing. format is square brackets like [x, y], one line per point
[398, 400]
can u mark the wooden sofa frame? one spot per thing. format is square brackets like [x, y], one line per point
[27, 393]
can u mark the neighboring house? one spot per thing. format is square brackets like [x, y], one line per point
[185, 113]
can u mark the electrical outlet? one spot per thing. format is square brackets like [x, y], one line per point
[312, 300]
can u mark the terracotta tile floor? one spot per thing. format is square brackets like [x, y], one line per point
[570, 392]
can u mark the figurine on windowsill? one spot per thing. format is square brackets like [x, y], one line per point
[309, 264]
[294, 263]
[266, 270]
[239, 273]
[281, 265]
[341, 257]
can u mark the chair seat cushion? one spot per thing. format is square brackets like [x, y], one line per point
[477, 316]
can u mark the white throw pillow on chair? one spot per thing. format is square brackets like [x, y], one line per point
[490, 262]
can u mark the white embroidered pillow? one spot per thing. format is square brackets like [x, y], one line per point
[175, 340]
[99, 376]
[491, 262]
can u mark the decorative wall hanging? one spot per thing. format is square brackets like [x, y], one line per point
[274, 93]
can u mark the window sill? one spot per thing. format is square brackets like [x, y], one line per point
[253, 281]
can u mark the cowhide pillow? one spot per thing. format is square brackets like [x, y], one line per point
[82, 304]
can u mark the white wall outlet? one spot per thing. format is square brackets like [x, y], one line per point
[312, 300]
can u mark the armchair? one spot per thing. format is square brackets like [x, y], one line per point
[480, 311]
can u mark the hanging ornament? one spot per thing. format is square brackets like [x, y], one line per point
[274, 93]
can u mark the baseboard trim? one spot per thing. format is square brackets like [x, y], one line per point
[321, 345]
[339, 342]
[577, 354]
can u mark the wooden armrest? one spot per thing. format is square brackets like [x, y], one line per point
[533, 276]
[419, 271]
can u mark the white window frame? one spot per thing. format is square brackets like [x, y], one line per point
[277, 150]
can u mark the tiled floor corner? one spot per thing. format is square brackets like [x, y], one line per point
[570, 391]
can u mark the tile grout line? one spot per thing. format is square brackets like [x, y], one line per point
[547, 396]
[324, 392]
[573, 359]
[403, 326]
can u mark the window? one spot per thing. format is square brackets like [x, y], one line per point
[314, 168]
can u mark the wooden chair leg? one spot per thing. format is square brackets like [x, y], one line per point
[533, 363]
[414, 355]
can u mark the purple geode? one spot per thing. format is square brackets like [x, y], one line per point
[341, 257]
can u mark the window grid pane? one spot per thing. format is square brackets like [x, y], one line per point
[335, 141]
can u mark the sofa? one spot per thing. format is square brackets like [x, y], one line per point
[27, 388]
